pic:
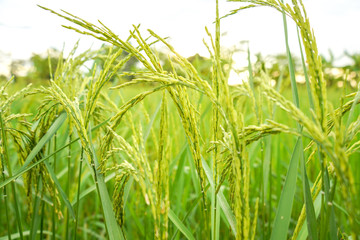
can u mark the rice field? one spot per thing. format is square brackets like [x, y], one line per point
[168, 152]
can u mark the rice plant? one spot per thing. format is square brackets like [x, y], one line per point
[172, 154]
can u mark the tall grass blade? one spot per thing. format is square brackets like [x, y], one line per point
[36, 216]
[283, 212]
[61, 191]
[326, 204]
[127, 189]
[295, 93]
[52, 130]
[310, 212]
[217, 220]
[68, 186]
[5, 157]
[308, 87]
[180, 225]
[5, 197]
[309, 206]
[42, 220]
[352, 110]
[252, 85]
[304, 230]
[149, 127]
[112, 226]
[27, 233]
[266, 164]
[190, 210]
[91, 189]
[53, 224]
[225, 206]
[332, 223]
[36, 150]
[78, 194]
[23, 170]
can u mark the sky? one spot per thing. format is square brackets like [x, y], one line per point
[26, 29]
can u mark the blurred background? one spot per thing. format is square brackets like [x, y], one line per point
[29, 34]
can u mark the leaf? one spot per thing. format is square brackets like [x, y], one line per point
[266, 164]
[148, 128]
[24, 168]
[304, 230]
[27, 233]
[91, 189]
[283, 213]
[310, 212]
[309, 206]
[35, 223]
[221, 198]
[61, 191]
[52, 130]
[351, 113]
[177, 222]
[112, 226]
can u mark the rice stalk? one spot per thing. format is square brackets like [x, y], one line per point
[162, 178]
[6, 161]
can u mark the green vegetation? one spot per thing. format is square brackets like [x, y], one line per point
[166, 149]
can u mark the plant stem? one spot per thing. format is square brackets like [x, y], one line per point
[6, 158]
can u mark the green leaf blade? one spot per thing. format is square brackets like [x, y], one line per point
[177, 222]
[283, 213]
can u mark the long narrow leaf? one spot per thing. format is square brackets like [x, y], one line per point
[24, 169]
[309, 206]
[27, 233]
[91, 189]
[310, 212]
[112, 226]
[304, 230]
[222, 200]
[283, 213]
[177, 222]
[61, 191]
[52, 130]
[36, 216]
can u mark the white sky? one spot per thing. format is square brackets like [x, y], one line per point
[27, 29]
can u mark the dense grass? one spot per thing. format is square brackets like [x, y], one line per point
[173, 155]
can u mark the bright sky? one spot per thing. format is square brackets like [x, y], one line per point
[27, 29]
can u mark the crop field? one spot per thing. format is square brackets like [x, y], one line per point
[169, 150]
